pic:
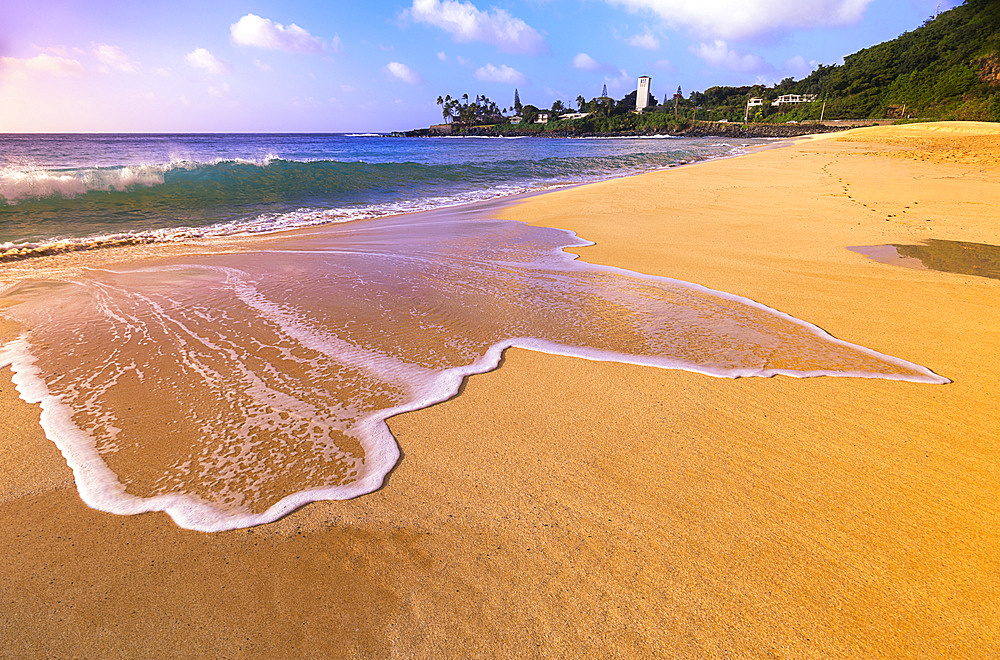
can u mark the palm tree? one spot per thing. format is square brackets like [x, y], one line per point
[446, 107]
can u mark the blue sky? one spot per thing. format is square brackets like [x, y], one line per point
[227, 65]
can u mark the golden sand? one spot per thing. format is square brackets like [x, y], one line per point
[561, 507]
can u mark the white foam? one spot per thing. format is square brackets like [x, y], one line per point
[101, 489]
[20, 181]
[923, 375]
[262, 224]
[377, 364]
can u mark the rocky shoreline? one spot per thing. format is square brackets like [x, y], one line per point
[687, 129]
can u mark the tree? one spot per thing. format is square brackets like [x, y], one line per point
[529, 113]
[558, 107]
[626, 104]
[481, 110]
[448, 107]
[601, 106]
[517, 102]
[581, 103]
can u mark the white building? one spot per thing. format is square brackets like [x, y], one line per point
[543, 117]
[754, 102]
[642, 93]
[794, 98]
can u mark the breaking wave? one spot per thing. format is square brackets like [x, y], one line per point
[47, 211]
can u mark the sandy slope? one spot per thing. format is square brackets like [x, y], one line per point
[560, 507]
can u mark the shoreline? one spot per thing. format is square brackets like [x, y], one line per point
[562, 506]
[174, 240]
[683, 128]
[103, 488]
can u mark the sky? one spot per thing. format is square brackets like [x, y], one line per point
[356, 66]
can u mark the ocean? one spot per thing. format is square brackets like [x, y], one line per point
[219, 327]
[62, 192]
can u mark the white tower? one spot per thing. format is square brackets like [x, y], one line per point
[642, 93]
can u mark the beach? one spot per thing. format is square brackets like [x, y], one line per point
[566, 507]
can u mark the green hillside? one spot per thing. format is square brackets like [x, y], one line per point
[947, 69]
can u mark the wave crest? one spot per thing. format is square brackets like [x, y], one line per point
[21, 182]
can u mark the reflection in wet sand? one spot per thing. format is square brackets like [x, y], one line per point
[962, 257]
[956, 257]
[229, 389]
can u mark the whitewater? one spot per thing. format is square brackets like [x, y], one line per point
[229, 385]
[62, 193]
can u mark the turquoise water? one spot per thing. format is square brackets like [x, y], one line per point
[229, 386]
[82, 190]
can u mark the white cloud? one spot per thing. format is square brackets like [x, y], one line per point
[442, 56]
[403, 72]
[43, 63]
[200, 58]
[62, 51]
[500, 74]
[114, 57]
[585, 62]
[719, 55]
[219, 91]
[263, 66]
[645, 41]
[798, 66]
[257, 32]
[465, 22]
[621, 80]
[725, 19]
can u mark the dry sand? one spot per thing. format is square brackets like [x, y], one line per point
[566, 508]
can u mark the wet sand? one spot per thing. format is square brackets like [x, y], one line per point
[562, 507]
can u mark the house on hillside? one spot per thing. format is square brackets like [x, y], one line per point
[793, 98]
[542, 118]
